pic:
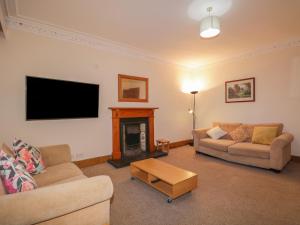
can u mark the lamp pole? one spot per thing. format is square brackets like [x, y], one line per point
[194, 108]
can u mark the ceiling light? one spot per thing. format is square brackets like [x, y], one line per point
[197, 9]
[210, 26]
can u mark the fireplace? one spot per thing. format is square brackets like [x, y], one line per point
[132, 135]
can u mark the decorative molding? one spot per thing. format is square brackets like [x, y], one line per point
[60, 33]
[52, 31]
[292, 43]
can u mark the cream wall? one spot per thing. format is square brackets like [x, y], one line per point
[28, 54]
[277, 76]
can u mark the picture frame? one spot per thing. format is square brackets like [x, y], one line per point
[132, 88]
[242, 90]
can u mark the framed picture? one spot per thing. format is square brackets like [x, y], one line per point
[240, 90]
[132, 89]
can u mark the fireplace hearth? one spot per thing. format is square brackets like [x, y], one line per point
[133, 135]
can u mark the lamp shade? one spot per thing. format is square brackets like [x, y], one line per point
[210, 27]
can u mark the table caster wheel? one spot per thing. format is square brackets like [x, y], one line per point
[169, 200]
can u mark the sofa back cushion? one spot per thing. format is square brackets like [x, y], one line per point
[2, 189]
[250, 128]
[228, 127]
[7, 150]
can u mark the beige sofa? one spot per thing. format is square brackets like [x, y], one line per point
[64, 195]
[274, 156]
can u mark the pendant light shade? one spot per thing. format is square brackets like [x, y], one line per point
[210, 26]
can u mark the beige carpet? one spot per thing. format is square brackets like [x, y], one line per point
[227, 193]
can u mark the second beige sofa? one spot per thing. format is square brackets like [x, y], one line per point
[64, 195]
[274, 156]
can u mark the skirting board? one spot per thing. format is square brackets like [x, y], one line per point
[180, 143]
[296, 159]
[103, 159]
[92, 161]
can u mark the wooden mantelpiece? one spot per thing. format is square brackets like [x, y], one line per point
[118, 113]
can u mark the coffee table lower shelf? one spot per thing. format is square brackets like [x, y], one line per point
[171, 190]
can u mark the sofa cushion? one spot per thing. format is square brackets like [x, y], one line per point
[228, 127]
[216, 133]
[240, 134]
[2, 189]
[29, 156]
[250, 150]
[7, 150]
[220, 144]
[14, 176]
[264, 135]
[250, 128]
[79, 177]
[54, 174]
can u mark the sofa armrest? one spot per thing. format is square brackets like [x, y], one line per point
[281, 141]
[199, 134]
[49, 202]
[281, 151]
[55, 154]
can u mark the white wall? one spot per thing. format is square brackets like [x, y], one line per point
[28, 54]
[277, 91]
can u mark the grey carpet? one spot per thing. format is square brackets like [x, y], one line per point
[227, 194]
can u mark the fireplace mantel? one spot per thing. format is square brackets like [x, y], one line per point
[127, 112]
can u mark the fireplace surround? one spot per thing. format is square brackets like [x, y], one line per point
[132, 135]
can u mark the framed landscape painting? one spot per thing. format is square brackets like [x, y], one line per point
[240, 90]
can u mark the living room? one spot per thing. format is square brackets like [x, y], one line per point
[95, 42]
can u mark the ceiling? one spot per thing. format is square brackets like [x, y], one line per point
[163, 27]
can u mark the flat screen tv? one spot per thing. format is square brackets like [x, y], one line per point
[57, 99]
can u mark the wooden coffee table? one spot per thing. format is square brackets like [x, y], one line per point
[166, 178]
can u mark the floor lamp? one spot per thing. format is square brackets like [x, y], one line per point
[192, 111]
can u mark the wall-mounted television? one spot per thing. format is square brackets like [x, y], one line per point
[59, 99]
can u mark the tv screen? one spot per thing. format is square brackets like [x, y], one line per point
[58, 99]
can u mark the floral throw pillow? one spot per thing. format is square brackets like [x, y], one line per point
[30, 157]
[240, 134]
[14, 176]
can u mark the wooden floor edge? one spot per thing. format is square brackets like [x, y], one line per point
[296, 158]
[92, 161]
[102, 159]
[180, 143]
